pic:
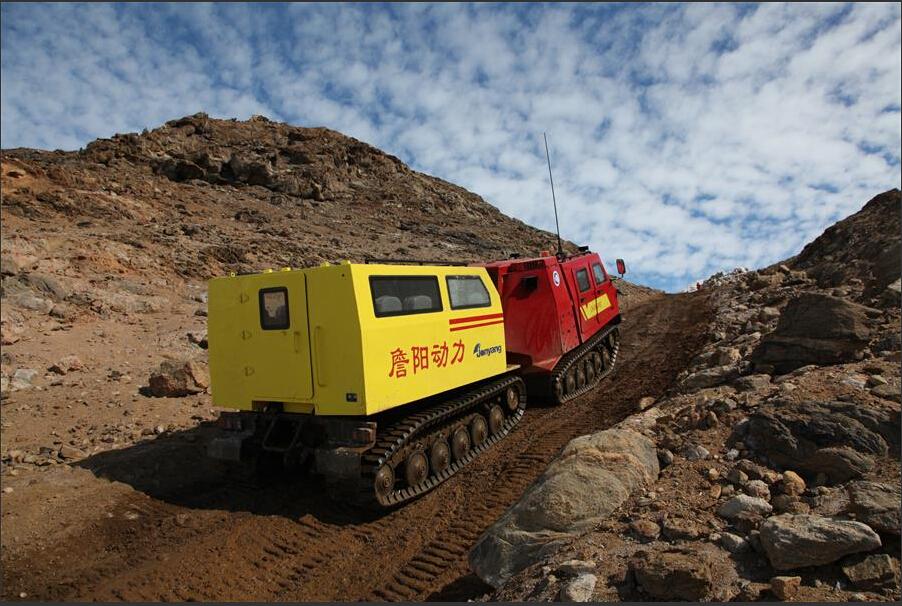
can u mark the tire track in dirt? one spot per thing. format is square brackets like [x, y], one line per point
[205, 541]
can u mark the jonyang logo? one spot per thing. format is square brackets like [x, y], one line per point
[479, 352]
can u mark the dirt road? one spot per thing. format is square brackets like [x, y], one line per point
[157, 521]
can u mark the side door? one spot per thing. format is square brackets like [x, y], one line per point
[584, 293]
[605, 294]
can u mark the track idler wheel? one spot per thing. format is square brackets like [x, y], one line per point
[439, 456]
[385, 480]
[460, 443]
[416, 468]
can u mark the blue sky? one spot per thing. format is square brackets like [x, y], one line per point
[686, 139]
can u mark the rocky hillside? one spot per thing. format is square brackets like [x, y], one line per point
[777, 475]
[199, 197]
[105, 254]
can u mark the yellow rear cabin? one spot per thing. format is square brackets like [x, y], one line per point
[351, 339]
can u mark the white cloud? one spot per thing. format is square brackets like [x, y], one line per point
[685, 138]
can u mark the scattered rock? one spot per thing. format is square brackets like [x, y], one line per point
[199, 339]
[874, 573]
[178, 378]
[785, 588]
[695, 452]
[743, 504]
[580, 589]
[728, 356]
[875, 380]
[66, 365]
[757, 488]
[796, 541]
[665, 457]
[752, 382]
[677, 529]
[784, 503]
[645, 529]
[737, 476]
[733, 542]
[70, 452]
[708, 377]
[693, 572]
[887, 392]
[23, 378]
[792, 484]
[646, 403]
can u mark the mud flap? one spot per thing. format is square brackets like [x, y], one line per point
[338, 463]
[341, 467]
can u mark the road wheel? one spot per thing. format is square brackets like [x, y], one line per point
[479, 430]
[496, 419]
[460, 443]
[570, 381]
[597, 362]
[439, 456]
[580, 376]
[385, 481]
[590, 371]
[416, 468]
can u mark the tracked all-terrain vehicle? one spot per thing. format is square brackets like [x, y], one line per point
[388, 377]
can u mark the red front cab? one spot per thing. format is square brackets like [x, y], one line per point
[552, 306]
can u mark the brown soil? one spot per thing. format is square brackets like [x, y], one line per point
[158, 521]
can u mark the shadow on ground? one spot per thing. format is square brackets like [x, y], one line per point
[175, 469]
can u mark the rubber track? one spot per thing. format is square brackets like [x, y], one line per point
[396, 437]
[574, 355]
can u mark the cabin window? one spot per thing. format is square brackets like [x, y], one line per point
[274, 308]
[582, 278]
[403, 295]
[599, 273]
[467, 292]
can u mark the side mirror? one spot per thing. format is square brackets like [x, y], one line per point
[621, 267]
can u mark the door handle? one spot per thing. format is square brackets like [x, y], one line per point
[317, 353]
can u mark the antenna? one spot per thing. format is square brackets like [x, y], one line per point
[560, 250]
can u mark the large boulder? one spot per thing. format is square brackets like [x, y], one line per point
[178, 378]
[834, 438]
[816, 329]
[693, 572]
[876, 504]
[797, 541]
[593, 475]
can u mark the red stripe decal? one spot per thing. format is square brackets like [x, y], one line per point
[476, 325]
[474, 318]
